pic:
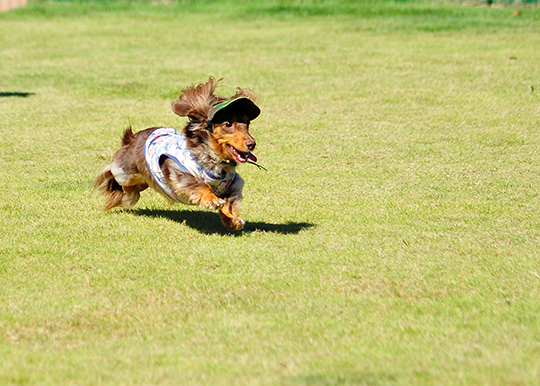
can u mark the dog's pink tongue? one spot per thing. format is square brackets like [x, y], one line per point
[252, 157]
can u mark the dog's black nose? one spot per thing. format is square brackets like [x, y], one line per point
[251, 145]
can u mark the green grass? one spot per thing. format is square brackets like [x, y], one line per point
[394, 239]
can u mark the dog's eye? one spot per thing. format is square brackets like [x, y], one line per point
[229, 124]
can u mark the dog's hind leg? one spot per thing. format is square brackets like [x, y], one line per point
[107, 186]
[132, 195]
[115, 194]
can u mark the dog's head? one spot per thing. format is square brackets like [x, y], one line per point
[222, 123]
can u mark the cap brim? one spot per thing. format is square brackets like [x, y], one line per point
[239, 104]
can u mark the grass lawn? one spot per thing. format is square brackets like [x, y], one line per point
[394, 239]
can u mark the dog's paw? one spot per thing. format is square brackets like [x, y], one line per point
[238, 224]
[235, 223]
[215, 203]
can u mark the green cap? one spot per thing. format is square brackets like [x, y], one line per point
[242, 103]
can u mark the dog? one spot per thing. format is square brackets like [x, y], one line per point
[196, 166]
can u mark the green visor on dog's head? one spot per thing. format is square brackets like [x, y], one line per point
[242, 104]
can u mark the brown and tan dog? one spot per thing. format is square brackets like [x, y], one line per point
[195, 167]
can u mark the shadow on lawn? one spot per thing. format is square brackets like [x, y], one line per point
[209, 222]
[16, 94]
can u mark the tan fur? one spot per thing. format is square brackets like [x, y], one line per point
[127, 175]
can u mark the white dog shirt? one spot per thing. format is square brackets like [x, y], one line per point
[169, 142]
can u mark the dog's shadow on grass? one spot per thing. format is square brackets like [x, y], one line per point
[210, 222]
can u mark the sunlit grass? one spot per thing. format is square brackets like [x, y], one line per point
[393, 240]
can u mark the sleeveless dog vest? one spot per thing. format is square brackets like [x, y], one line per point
[169, 142]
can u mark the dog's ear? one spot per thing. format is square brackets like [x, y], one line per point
[184, 108]
[196, 100]
[196, 112]
[245, 92]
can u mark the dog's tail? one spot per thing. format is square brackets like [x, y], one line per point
[128, 137]
[107, 186]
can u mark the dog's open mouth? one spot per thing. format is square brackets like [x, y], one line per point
[240, 155]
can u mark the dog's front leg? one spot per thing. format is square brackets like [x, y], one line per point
[206, 199]
[189, 189]
[229, 214]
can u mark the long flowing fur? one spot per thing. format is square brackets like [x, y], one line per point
[121, 181]
[106, 184]
[196, 100]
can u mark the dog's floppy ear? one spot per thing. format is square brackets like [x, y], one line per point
[246, 93]
[181, 108]
[196, 101]
[185, 109]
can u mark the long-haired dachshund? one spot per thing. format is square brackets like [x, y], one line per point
[195, 167]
